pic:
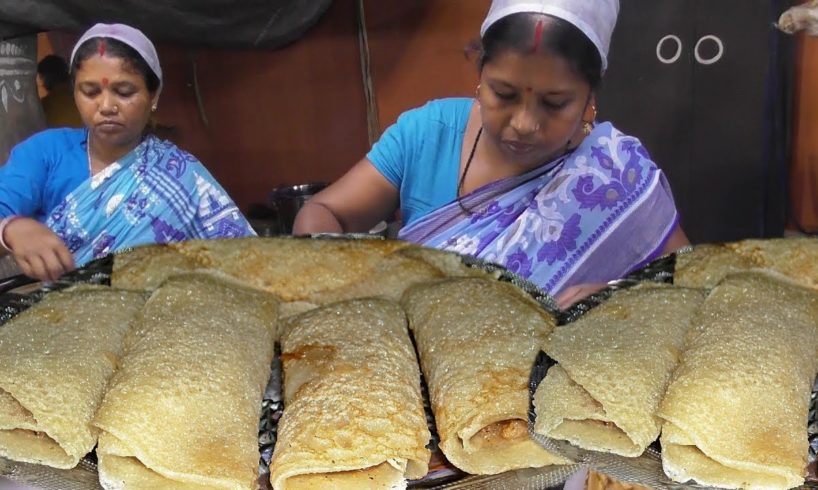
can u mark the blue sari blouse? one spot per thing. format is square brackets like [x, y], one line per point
[157, 193]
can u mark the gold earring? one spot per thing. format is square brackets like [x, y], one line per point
[477, 92]
[153, 109]
[588, 126]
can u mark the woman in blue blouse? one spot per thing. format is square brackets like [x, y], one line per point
[71, 195]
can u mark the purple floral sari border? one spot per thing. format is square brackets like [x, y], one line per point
[475, 199]
[658, 251]
[651, 180]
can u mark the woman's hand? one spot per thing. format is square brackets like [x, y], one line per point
[577, 293]
[37, 250]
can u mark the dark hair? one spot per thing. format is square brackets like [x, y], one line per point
[517, 32]
[53, 70]
[117, 49]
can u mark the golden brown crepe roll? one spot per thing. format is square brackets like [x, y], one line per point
[449, 263]
[55, 361]
[795, 258]
[614, 365]
[292, 268]
[393, 274]
[707, 264]
[353, 415]
[146, 267]
[183, 409]
[478, 339]
[736, 410]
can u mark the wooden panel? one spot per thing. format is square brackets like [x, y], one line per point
[283, 117]
[417, 49]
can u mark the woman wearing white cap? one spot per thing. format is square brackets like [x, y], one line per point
[521, 175]
[70, 195]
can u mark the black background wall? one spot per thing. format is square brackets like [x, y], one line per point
[704, 85]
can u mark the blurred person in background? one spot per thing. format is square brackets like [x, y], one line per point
[58, 102]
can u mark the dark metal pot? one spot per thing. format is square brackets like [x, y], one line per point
[288, 200]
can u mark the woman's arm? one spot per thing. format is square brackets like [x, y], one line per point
[677, 240]
[38, 251]
[354, 203]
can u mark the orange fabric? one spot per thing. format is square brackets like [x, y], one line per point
[804, 165]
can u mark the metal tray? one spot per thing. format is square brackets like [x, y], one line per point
[647, 469]
[442, 474]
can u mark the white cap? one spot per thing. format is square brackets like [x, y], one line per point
[595, 18]
[129, 35]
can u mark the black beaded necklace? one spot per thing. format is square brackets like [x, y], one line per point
[466, 169]
[469, 212]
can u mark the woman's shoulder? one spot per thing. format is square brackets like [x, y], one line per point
[453, 111]
[56, 137]
[169, 148]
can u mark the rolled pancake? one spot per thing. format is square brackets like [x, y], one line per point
[57, 358]
[292, 268]
[146, 267]
[449, 263]
[478, 340]
[353, 415]
[795, 258]
[707, 264]
[389, 279]
[614, 365]
[736, 410]
[299, 271]
[183, 409]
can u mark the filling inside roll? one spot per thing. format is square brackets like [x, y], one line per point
[497, 434]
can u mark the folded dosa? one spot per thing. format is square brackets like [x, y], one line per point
[292, 268]
[478, 339]
[449, 263]
[182, 410]
[146, 267]
[614, 366]
[55, 361]
[353, 415]
[736, 410]
[707, 265]
[297, 270]
[392, 275]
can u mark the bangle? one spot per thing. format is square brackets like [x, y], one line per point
[3, 224]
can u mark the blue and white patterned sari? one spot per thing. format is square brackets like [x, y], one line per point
[591, 216]
[157, 193]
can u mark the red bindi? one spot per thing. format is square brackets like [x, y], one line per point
[102, 48]
[104, 82]
[538, 35]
